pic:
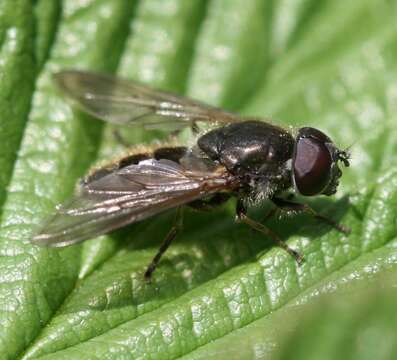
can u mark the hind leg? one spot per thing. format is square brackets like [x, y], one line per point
[172, 234]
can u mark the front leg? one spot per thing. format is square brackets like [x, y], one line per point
[288, 205]
[241, 216]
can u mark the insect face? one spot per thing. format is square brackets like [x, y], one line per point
[315, 163]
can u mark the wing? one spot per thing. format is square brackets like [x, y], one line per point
[125, 102]
[127, 195]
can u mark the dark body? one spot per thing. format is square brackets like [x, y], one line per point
[254, 155]
[248, 159]
[250, 146]
[254, 151]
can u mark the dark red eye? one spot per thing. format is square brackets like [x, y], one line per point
[311, 165]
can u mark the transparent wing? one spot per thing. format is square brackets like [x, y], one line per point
[128, 195]
[126, 102]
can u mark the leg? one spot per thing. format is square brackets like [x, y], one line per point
[274, 211]
[211, 204]
[241, 215]
[176, 228]
[297, 207]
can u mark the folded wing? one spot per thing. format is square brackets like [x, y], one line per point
[127, 195]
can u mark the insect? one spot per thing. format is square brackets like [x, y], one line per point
[248, 159]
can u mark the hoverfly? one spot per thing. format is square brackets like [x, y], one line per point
[248, 159]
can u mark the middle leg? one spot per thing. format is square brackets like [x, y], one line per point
[241, 215]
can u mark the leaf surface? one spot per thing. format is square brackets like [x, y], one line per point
[221, 290]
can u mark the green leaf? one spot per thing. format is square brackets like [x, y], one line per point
[17, 69]
[221, 290]
[355, 326]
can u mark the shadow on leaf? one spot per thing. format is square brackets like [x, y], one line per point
[210, 244]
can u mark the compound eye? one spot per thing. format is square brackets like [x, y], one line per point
[311, 166]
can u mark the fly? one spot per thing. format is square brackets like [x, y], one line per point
[248, 159]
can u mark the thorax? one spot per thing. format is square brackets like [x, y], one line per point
[258, 152]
